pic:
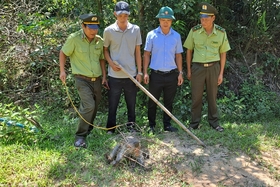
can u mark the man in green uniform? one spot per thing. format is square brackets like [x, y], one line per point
[206, 44]
[85, 50]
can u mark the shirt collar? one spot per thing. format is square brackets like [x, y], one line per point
[214, 30]
[84, 37]
[116, 27]
[158, 30]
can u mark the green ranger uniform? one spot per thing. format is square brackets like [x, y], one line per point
[206, 67]
[207, 48]
[85, 58]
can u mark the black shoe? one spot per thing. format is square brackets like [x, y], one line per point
[195, 127]
[110, 132]
[131, 127]
[170, 129]
[152, 130]
[219, 128]
[80, 142]
[191, 129]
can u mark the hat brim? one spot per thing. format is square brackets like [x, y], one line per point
[165, 17]
[206, 15]
[122, 12]
[93, 26]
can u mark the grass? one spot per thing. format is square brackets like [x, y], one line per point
[50, 159]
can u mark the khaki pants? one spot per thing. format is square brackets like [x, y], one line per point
[204, 77]
[90, 95]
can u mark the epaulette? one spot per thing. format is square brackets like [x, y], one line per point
[197, 27]
[219, 28]
[98, 38]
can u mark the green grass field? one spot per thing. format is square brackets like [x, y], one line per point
[49, 158]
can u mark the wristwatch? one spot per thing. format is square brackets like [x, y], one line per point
[181, 72]
[140, 73]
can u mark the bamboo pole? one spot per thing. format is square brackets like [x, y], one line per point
[160, 105]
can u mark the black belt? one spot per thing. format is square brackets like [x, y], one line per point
[87, 78]
[206, 65]
[163, 72]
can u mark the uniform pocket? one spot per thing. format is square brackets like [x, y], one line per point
[81, 50]
[215, 44]
[97, 50]
[199, 44]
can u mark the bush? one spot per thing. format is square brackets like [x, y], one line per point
[30, 69]
[254, 103]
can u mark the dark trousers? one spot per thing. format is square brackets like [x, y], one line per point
[90, 96]
[117, 86]
[204, 77]
[166, 83]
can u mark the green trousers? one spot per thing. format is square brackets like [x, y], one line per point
[90, 97]
[204, 78]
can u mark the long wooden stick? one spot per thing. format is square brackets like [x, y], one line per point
[160, 105]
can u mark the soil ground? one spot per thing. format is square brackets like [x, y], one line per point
[214, 165]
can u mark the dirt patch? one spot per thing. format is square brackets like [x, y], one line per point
[213, 165]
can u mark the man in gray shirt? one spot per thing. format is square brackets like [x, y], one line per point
[122, 41]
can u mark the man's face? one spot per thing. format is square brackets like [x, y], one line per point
[207, 22]
[90, 33]
[165, 23]
[122, 18]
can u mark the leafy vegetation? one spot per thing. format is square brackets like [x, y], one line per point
[33, 33]
[32, 96]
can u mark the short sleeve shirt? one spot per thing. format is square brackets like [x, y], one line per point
[122, 45]
[207, 48]
[163, 49]
[84, 56]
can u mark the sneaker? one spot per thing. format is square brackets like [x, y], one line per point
[170, 129]
[80, 142]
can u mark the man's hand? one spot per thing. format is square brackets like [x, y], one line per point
[62, 77]
[105, 85]
[180, 79]
[220, 80]
[189, 75]
[139, 78]
[115, 67]
[146, 78]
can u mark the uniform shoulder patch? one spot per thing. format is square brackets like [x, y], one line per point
[219, 28]
[197, 27]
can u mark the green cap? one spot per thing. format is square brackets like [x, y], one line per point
[91, 20]
[207, 9]
[166, 13]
